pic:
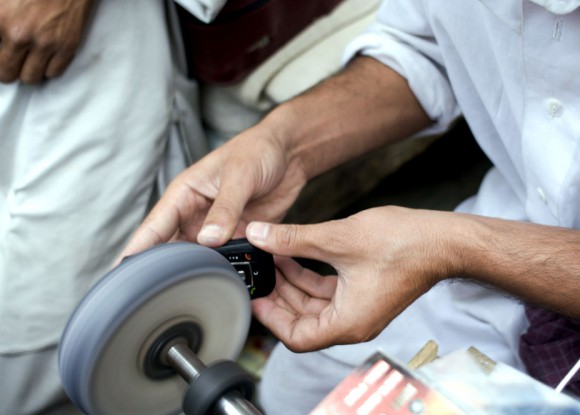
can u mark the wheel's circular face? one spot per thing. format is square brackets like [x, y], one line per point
[103, 348]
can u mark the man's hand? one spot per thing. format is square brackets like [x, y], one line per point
[385, 259]
[248, 178]
[38, 38]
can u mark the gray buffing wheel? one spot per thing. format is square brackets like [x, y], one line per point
[105, 345]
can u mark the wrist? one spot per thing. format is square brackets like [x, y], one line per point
[455, 246]
[285, 128]
[467, 249]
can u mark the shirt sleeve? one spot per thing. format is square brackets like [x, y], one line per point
[402, 39]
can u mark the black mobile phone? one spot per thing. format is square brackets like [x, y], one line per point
[255, 266]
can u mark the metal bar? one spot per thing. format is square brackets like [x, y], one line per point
[233, 403]
[185, 362]
[188, 366]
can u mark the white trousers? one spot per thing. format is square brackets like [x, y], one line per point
[79, 157]
[30, 384]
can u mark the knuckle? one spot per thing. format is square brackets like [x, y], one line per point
[356, 221]
[334, 238]
[223, 210]
[288, 237]
[353, 233]
[41, 43]
[19, 36]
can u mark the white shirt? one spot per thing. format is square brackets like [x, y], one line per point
[512, 68]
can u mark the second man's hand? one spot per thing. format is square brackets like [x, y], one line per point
[38, 38]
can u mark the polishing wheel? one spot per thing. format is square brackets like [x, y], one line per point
[156, 320]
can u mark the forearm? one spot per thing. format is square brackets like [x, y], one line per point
[539, 264]
[362, 108]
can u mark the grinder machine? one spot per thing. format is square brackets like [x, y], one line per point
[158, 334]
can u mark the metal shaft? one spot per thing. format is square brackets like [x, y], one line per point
[188, 365]
[233, 403]
[181, 358]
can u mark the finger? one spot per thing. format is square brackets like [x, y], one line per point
[300, 333]
[12, 57]
[278, 296]
[161, 225]
[300, 241]
[179, 214]
[224, 215]
[306, 280]
[293, 298]
[59, 62]
[148, 235]
[34, 67]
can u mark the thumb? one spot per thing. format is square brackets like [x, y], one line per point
[303, 241]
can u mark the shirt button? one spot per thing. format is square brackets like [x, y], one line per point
[542, 195]
[554, 108]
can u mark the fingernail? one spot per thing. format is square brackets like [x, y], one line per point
[210, 234]
[258, 231]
